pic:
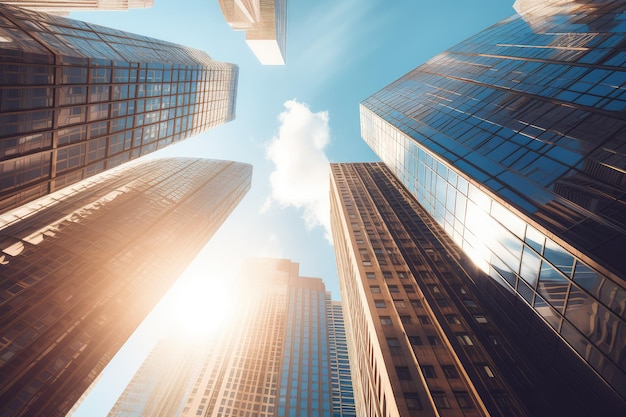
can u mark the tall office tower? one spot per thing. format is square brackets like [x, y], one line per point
[81, 268]
[63, 7]
[265, 24]
[515, 142]
[282, 354]
[77, 99]
[426, 336]
[341, 379]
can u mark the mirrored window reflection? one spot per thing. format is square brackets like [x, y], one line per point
[553, 286]
[547, 312]
[535, 239]
[559, 257]
[602, 288]
[602, 327]
[529, 270]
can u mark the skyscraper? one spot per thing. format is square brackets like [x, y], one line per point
[283, 354]
[63, 7]
[427, 333]
[81, 268]
[78, 98]
[515, 141]
[265, 24]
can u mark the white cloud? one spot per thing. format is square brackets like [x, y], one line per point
[301, 175]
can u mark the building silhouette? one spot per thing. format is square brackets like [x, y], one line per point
[265, 24]
[81, 268]
[429, 333]
[283, 353]
[63, 7]
[514, 141]
[78, 98]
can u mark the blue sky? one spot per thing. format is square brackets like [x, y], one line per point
[291, 121]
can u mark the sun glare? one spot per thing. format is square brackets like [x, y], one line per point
[203, 305]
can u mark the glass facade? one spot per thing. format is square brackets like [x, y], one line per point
[341, 381]
[277, 358]
[426, 330]
[81, 268]
[77, 99]
[63, 7]
[305, 388]
[514, 141]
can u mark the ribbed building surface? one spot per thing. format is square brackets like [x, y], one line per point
[63, 7]
[515, 142]
[78, 98]
[429, 334]
[81, 268]
[282, 354]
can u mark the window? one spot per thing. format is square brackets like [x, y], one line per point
[374, 289]
[465, 339]
[370, 275]
[393, 289]
[481, 319]
[434, 289]
[401, 275]
[440, 399]
[502, 399]
[464, 399]
[486, 370]
[399, 303]
[394, 346]
[405, 319]
[412, 401]
[415, 340]
[74, 75]
[450, 371]
[433, 340]
[442, 302]
[452, 319]
[393, 342]
[385, 320]
[424, 319]
[469, 303]
[409, 289]
[416, 303]
[387, 275]
[403, 373]
[429, 371]
[379, 303]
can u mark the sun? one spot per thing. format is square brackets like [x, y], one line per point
[202, 304]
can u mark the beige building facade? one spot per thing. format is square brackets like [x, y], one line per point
[265, 24]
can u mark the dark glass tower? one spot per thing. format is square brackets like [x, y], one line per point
[81, 268]
[78, 98]
[427, 333]
[515, 142]
[283, 354]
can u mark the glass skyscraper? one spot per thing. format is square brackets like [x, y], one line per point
[340, 377]
[63, 7]
[283, 354]
[429, 333]
[82, 267]
[515, 141]
[78, 98]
